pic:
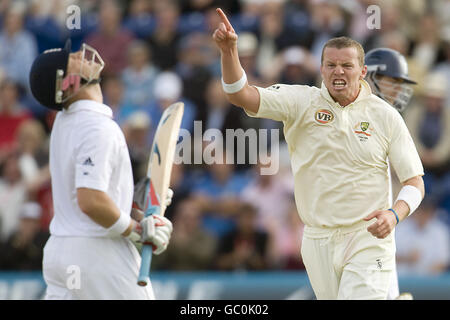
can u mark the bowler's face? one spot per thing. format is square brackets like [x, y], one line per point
[341, 73]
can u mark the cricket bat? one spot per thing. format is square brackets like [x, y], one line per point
[159, 168]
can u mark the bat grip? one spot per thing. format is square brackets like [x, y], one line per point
[146, 254]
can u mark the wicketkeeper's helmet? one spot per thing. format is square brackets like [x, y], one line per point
[390, 63]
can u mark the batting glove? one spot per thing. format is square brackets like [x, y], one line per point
[169, 197]
[156, 231]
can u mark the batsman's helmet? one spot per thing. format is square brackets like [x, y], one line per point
[395, 86]
[49, 77]
[43, 75]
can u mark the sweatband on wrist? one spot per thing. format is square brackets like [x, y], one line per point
[234, 87]
[395, 213]
[120, 225]
[412, 196]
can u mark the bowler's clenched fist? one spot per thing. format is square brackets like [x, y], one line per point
[384, 225]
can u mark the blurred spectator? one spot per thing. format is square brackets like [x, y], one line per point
[423, 242]
[298, 67]
[24, 248]
[389, 22]
[12, 114]
[113, 96]
[357, 28]
[188, 6]
[136, 128]
[429, 124]
[111, 39]
[247, 18]
[271, 197]
[220, 114]
[13, 194]
[248, 51]
[244, 248]
[18, 47]
[191, 248]
[33, 164]
[139, 19]
[46, 20]
[444, 66]
[168, 89]
[198, 60]
[327, 21]
[273, 36]
[285, 249]
[426, 44]
[217, 190]
[165, 37]
[180, 183]
[33, 149]
[139, 76]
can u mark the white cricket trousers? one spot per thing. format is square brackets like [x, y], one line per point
[349, 262]
[82, 268]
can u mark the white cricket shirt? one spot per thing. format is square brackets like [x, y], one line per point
[87, 150]
[339, 154]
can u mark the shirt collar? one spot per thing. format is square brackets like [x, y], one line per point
[89, 105]
[363, 93]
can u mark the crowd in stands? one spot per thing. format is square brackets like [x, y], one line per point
[157, 52]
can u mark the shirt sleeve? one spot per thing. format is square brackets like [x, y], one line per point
[94, 158]
[402, 152]
[280, 102]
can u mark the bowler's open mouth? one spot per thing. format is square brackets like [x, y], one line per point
[339, 83]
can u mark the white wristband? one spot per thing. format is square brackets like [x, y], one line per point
[412, 196]
[120, 225]
[235, 86]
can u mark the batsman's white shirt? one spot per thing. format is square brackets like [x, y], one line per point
[87, 149]
[339, 154]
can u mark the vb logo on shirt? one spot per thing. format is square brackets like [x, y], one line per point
[324, 116]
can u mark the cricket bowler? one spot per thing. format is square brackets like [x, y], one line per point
[340, 137]
[92, 186]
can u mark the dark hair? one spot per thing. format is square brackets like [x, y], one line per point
[345, 42]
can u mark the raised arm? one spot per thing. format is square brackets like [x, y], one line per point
[225, 37]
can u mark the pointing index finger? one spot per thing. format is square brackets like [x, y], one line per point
[224, 19]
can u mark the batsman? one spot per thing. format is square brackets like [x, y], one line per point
[340, 139]
[92, 186]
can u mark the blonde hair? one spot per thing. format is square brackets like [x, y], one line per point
[345, 42]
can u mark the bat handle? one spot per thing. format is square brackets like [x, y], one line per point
[146, 254]
[146, 261]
